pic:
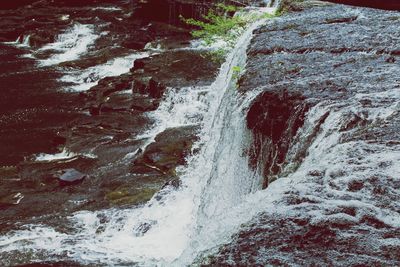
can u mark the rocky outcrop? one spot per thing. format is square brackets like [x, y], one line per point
[152, 169]
[389, 4]
[324, 72]
[289, 70]
[169, 150]
[148, 81]
[99, 128]
[274, 119]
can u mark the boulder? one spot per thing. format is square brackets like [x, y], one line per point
[168, 150]
[70, 177]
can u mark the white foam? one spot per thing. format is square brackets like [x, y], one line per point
[85, 79]
[107, 8]
[70, 45]
[65, 154]
[23, 41]
[32, 236]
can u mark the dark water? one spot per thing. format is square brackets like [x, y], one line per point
[33, 106]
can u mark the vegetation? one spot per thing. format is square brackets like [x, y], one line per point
[221, 24]
[236, 70]
[218, 24]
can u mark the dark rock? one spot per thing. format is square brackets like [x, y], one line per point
[274, 118]
[391, 60]
[127, 196]
[144, 103]
[156, 89]
[137, 41]
[169, 150]
[176, 68]
[170, 11]
[10, 200]
[175, 183]
[340, 66]
[142, 229]
[388, 4]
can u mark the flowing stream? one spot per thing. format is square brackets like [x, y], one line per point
[219, 191]
[176, 225]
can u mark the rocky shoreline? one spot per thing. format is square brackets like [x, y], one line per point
[324, 127]
[344, 58]
[97, 145]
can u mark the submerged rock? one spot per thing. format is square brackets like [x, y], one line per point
[127, 196]
[70, 177]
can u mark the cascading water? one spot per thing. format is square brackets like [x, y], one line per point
[83, 80]
[219, 192]
[69, 45]
[176, 225]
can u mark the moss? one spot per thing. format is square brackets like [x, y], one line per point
[8, 172]
[289, 6]
[123, 196]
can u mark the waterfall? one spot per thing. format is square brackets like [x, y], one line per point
[216, 178]
[175, 226]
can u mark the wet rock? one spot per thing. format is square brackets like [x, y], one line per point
[295, 240]
[137, 41]
[323, 56]
[168, 151]
[143, 228]
[284, 67]
[94, 58]
[70, 177]
[389, 4]
[125, 196]
[176, 68]
[144, 103]
[175, 183]
[274, 118]
[117, 102]
[10, 200]
[171, 11]
[104, 144]
[353, 121]
[156, 88]
[149, 79]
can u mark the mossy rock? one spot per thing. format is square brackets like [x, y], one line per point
[8, 172]
[124, 196]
